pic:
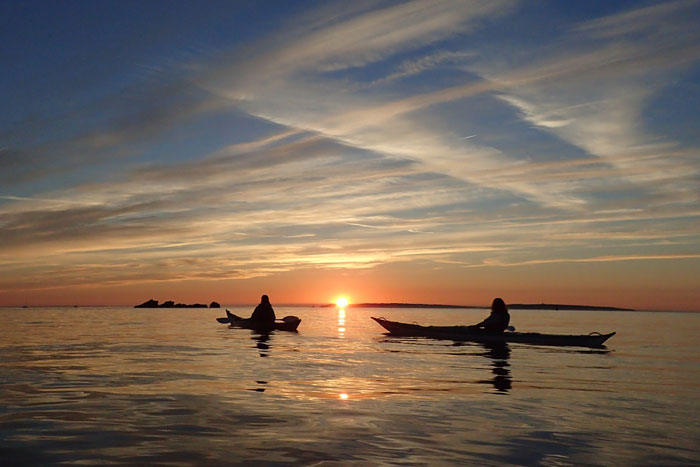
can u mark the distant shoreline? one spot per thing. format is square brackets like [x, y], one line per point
[171, 304]
[550, 306]
[515, 306]
[402, 305]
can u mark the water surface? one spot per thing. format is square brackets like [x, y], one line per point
[174, 387]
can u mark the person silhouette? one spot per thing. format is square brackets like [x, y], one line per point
[497, 321]
[263, 316]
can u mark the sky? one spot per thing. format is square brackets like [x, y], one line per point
[419, 151]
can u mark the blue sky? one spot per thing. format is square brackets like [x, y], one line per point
[244, 145]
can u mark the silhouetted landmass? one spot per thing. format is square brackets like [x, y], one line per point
[515, 306]
[553, 306]
[402, 305]
[171, 304]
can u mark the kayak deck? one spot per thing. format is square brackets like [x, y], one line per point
[288, 323]
[466, 333]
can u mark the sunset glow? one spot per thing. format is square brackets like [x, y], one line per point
[373, 232]
[410, 151]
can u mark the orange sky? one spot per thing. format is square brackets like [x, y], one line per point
[596, 284]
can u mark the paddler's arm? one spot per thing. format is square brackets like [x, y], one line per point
[484, 322]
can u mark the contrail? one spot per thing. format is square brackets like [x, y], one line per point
[59, 201]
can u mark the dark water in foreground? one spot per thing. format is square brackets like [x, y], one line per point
[125, 386]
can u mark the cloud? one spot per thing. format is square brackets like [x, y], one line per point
[428, 62]
[601, 259]
[554, 94]
[595, 99]
[352, 39]
[93, 132]
[645, 21]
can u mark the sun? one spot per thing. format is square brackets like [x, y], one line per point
[342, 302]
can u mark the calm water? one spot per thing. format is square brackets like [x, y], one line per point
[126, 386]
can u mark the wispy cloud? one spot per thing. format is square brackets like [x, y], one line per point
[653, 20]
[601, 259]
[420, 65]
[601, 109]
[385, 129]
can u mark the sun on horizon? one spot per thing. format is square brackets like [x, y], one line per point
[342, 302]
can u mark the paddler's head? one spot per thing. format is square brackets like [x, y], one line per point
[264, 299]
[498, 305]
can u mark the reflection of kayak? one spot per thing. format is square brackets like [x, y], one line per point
[465, 333]
[288, 323]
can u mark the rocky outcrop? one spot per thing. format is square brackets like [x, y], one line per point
[214, 305]
[170, 304]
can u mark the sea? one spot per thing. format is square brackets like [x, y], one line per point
[125, 386]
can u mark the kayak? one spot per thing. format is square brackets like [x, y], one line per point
[466, 333]
[288, 323]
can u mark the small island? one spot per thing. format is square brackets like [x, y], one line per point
[171, 304]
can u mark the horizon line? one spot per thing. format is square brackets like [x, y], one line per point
[514, 306]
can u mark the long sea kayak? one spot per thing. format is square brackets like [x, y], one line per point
[288, 323]
[466, 333]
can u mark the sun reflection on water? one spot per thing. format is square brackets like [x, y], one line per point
[341, 323]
